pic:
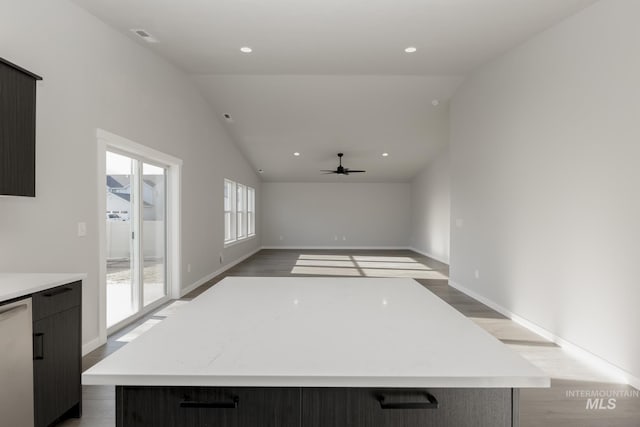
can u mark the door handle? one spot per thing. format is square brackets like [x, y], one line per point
[57, 292]
[38, 346]
[6, 314]
[229, 404]
[431, 403]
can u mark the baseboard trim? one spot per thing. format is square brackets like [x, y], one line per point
[427, 254]
[594, 360]
[221, 270]
[92, 345]
[333, 248]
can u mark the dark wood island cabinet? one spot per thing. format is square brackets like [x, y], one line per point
[314, 407]
[57, 360]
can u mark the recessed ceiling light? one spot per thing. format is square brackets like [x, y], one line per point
[260, 170]
[246, 49]
[435, 102]
[228, 117]
[385, 154]
[296, 154]
[411, 49]
[144, 35]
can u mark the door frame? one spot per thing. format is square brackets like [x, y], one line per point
[109, 141]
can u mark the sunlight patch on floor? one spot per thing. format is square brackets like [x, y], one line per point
[171, 308]
[393, 265]
[552, 359]
[413, 274]
[135, 333]
[385, 259]
[324, 263]
[326, 271]
[365, 266]
[326, 257]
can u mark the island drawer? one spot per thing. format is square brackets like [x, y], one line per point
[56, 300]
[207, 406]
[434, 407]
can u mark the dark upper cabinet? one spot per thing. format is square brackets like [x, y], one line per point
[17, 130]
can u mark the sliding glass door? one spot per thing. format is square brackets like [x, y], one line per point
[135, 235]
[154, 233]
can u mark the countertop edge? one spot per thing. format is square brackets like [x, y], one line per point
[316, 381]
[46, 281]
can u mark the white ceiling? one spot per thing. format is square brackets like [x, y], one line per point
[319, 116]
[331, 75]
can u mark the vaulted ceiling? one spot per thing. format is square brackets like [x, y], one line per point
[329, 76]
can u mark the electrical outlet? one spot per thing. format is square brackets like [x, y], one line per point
[477, 273]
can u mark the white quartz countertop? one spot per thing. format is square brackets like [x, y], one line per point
[15, 285]
[317, 332]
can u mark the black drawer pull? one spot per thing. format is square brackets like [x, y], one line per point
[57, 292]
[230, 404]
[431, 403]
[38, 346]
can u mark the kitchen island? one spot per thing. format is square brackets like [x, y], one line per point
[316, 352]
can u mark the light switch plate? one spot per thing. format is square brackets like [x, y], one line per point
[82, 229]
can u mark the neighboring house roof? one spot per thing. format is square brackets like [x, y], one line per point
[112, 182]
[124, 180]
[127, 197]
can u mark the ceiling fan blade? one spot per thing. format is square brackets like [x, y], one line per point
[341, 169]
[329, 173]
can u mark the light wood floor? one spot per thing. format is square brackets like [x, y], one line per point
[553, 407]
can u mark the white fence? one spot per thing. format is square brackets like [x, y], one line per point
[119, 239]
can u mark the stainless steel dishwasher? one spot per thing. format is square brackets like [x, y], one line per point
[16, 364]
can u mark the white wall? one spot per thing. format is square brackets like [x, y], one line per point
[97, 78]
[545, 143]
[313, 214]
[431, 208]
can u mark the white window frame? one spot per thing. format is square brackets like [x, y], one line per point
[251, 211]
[230, 210]
[241, 211]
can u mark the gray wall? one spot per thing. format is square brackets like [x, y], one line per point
[313, 214]
[545, 145]
[97, 78]
[431, 208]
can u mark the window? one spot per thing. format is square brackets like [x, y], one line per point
[251, 211]
[239, 211]
[229, 211]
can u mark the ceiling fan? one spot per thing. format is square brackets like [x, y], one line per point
[342, 170]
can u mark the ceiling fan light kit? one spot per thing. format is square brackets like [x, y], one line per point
[341, 170]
